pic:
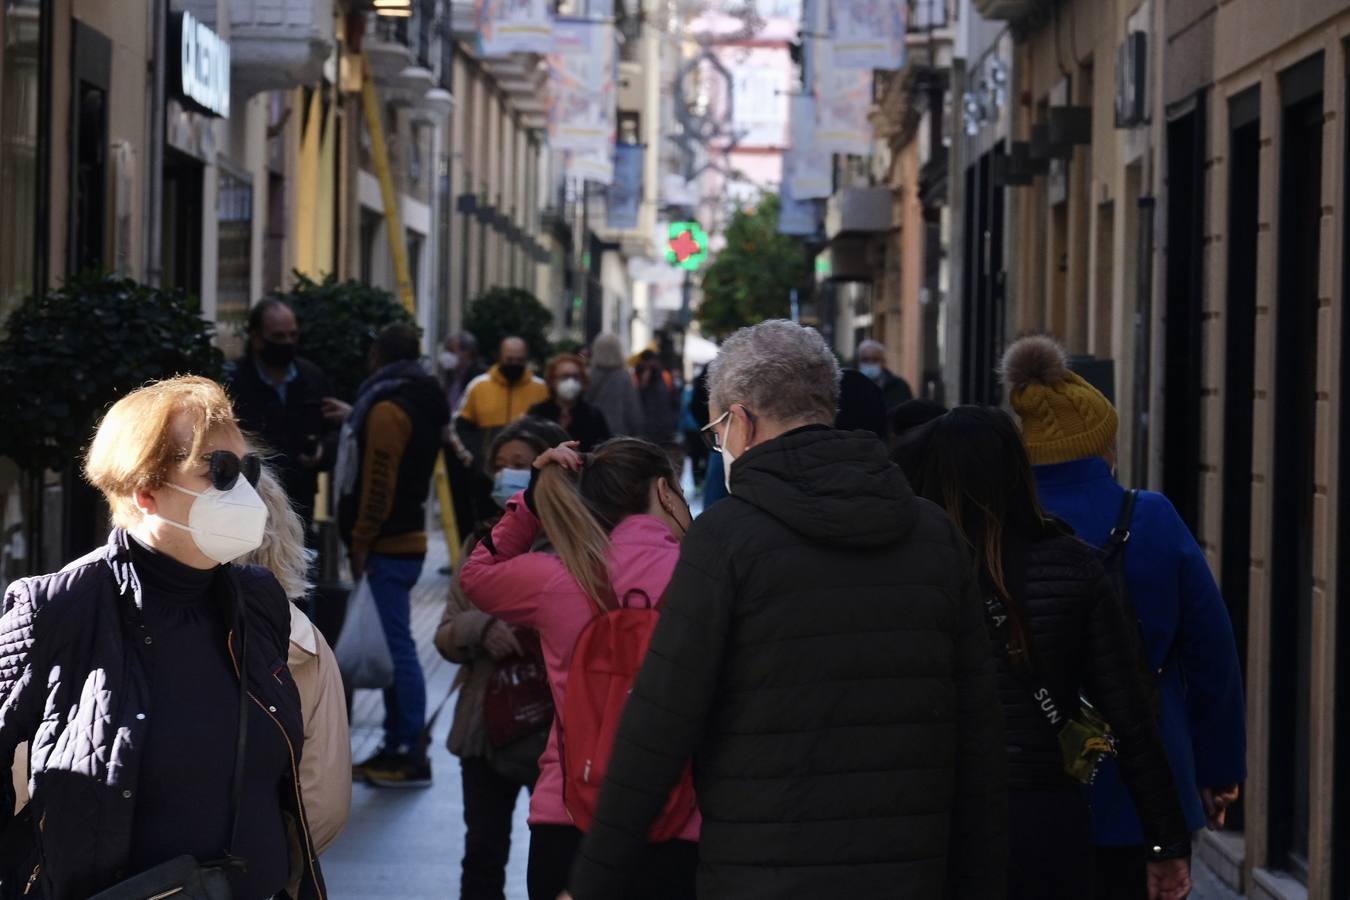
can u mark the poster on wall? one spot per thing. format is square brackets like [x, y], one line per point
[868, 34]
[625, 190]
[582, 75]
[843, 100]
[808, 169]
[513, 26]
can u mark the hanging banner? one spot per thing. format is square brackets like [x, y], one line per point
[593, 167]
[797, 217]
[868, 34]
[843, 100]
[513, 26]
[807, 168]
[582, 67]
[625, 190]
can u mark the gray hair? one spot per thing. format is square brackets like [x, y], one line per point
[283, 550]
[777, 369]
[607, 352]
[871, 344]
[466, 342]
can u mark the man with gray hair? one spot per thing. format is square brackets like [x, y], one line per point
[822, 660]
[872, 363]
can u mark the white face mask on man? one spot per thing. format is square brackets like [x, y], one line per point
[224, 525]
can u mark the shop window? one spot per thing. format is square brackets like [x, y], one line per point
[1291, 572]
[234, 215]
[20, 30]
[415, 242]
[182, 229]
[92, 64]
[370, 232]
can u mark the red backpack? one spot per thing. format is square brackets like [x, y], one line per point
[605, 664]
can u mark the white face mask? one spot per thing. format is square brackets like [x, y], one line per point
[448, 360]
[225, 525]
[569, 389]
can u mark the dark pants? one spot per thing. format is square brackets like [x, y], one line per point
[392, 579]
[1121, 873]
[667, 872]
[1049, 845]
[489, 804]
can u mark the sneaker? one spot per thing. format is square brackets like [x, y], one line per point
[399, 770]
[380, 759]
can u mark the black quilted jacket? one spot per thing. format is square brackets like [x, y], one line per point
[822, 657]
[74, 684]
[1083, 643]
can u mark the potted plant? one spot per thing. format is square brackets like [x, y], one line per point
[68, 354]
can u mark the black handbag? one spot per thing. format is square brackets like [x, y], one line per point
[184, 877]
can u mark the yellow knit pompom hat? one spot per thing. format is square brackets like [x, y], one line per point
[1063, 417]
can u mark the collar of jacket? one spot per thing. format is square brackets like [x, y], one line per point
[1078, 471]
[303, 632]
[117, 555]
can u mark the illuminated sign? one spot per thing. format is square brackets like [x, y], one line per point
[686, 245]
[203, 70]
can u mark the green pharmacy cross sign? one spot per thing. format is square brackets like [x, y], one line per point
[686, 245]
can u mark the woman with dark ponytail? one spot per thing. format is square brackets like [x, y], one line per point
[1059, 629]
[614, 520]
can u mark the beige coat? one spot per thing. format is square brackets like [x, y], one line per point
[326, 764]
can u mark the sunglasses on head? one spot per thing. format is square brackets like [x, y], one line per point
[225, 468]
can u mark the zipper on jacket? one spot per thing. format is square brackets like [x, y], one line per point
[308, 848]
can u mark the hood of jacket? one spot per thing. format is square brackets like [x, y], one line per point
[836, 488]
[642, 558]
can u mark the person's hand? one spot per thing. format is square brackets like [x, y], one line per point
[500, 641]
[565, 896]
[357, 558]
[1169, 879]
[1217, 800]
[334, 410]
[565, 455]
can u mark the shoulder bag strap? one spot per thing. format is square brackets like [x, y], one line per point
[241, 743]
[1041, 696]
[1120, 534]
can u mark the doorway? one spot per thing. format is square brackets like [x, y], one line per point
[1183, 345]
[982, 326]
[182, 232]
[1291, 574]
[91, 78]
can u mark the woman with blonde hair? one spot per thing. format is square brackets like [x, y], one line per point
[324, 769]
[615, 519]
[149, 677]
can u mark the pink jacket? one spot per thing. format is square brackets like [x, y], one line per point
[534, 590]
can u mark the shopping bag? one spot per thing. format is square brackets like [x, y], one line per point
[362, 650]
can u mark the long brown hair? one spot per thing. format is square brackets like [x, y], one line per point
[974, 465]
[579, 511]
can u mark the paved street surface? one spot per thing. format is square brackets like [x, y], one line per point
[408, 843]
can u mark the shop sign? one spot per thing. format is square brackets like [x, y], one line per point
[203, 69]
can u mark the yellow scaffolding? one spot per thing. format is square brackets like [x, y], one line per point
[370, 103]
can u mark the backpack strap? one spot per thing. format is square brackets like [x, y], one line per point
[1120, 533]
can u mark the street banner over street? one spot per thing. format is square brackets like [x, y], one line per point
[513, 26]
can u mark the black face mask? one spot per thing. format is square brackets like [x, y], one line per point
[512, 371]
[277, 354]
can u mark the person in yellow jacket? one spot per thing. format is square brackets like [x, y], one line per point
[496, 399]
[506, 392]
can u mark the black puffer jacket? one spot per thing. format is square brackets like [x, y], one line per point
[75, 684]
[822, 656]
[1083, 643]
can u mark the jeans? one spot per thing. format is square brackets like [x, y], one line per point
[489, 805]
[405, 702]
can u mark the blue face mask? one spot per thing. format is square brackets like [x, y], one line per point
[870, 370]
[508, 483]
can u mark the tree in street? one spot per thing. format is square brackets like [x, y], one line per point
[754, 274]
[505, 312]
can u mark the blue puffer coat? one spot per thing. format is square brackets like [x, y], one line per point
[1176, 598]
